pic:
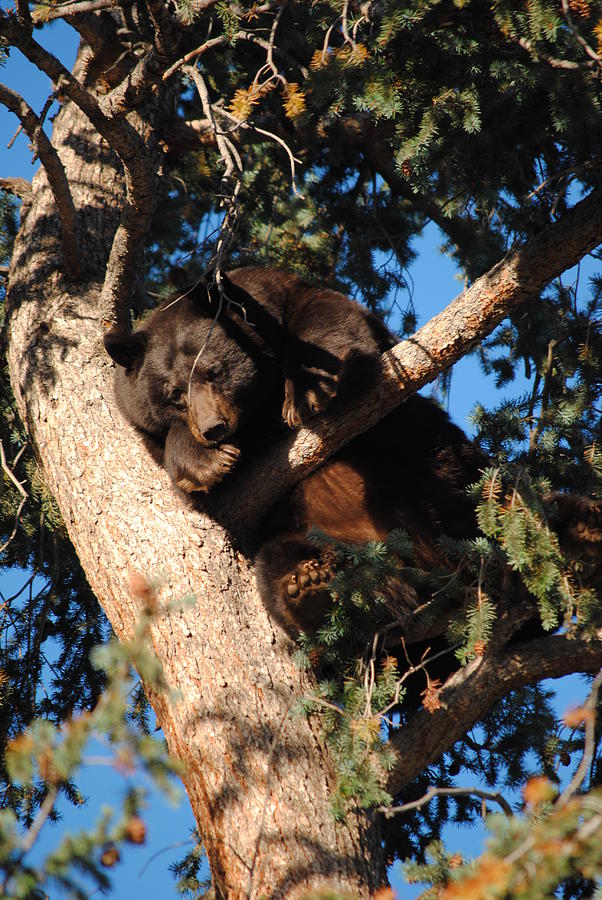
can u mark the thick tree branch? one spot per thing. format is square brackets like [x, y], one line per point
[121, 136]
[68, 10]
[20, 187]
[140, 159]
[519, 277]
[470, 692]
[149, 71]
[55, 173]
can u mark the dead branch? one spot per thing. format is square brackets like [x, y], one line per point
[231, 179]
[24, 496]
[494, 796]
[471, 691]
[197, 52]
[55, 173]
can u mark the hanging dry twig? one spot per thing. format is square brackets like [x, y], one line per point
[578, 37]
[24, 495]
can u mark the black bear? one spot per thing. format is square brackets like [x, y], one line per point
[209, 377]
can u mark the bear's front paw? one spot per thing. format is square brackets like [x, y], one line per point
[211, 466]
[306, 396]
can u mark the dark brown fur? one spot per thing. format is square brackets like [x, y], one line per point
[281, 349]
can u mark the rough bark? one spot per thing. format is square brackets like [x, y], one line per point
[259, 781]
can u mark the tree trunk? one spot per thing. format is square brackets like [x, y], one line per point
[259, 781]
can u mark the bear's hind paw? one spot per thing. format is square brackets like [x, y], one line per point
[308, 578]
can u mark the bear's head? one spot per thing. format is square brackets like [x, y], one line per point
[185, 364]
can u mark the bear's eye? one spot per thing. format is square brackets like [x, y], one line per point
[175, 396]
[212, 373]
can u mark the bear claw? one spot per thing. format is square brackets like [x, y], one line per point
[308, 578]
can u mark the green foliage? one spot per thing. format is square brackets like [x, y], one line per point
[42, 761]
[531, 856]
[187, 872]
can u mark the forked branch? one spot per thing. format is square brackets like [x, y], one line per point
[471, 691]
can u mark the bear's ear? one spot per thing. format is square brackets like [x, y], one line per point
[126, 349]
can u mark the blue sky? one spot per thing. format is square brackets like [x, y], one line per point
[435, 283]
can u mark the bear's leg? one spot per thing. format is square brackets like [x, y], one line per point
[293, 578]
[193, 467]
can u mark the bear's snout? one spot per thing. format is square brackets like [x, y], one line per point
[211, 418]
[215, 433]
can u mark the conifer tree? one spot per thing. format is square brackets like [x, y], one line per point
[320, 137]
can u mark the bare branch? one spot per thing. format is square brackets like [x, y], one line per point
[273, 137]
[24, 496]
[550, 60]
[231, 179]
[55, 173]
[519, 277]
[68, 10]
[471, 691]
[494, 796]
[197, 52]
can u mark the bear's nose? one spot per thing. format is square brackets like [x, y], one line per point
[215, 433]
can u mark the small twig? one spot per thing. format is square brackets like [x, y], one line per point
[552, 61]
[198, 51]
[24, 496]
[14, 137]
[575, 32]
[158, 853]
[545, 396]
[269, 134]
[590, 743]
[233, 163]
[348, 39]
[569, 172]
[390, 811]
